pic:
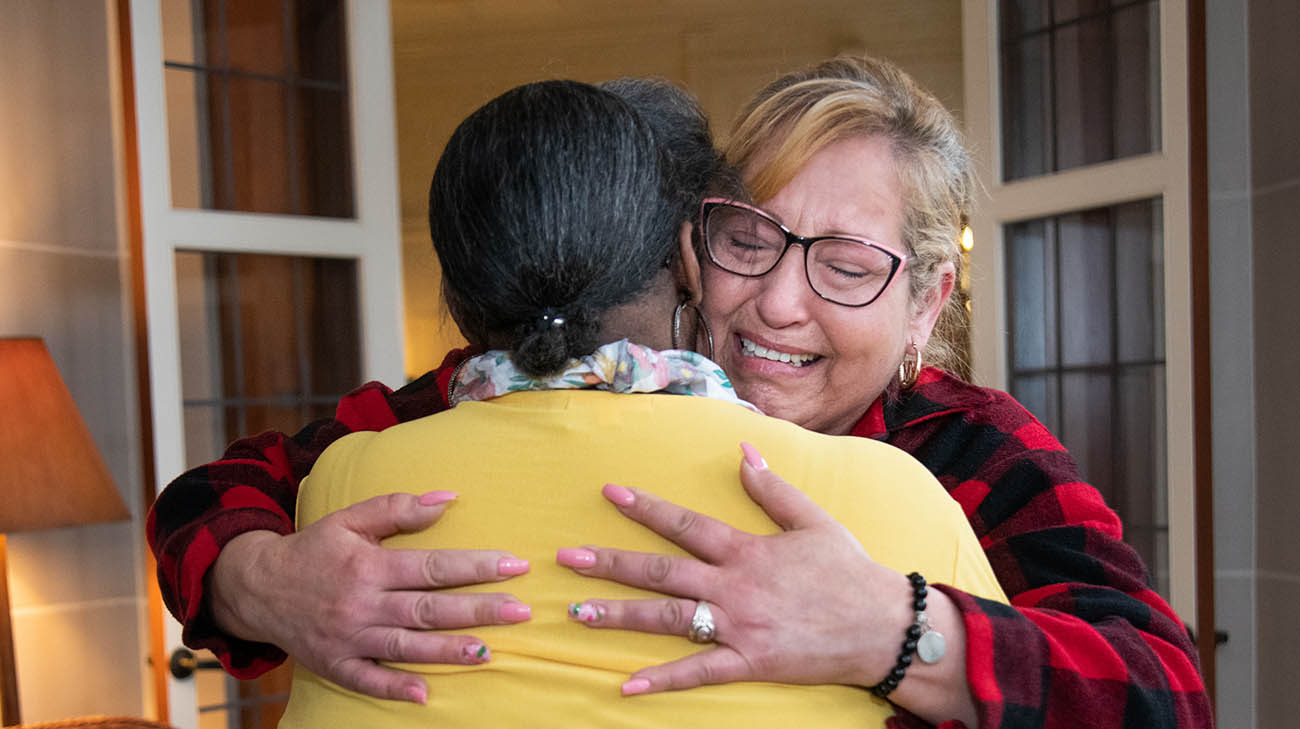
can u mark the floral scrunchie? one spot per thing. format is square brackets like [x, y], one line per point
[616, 367]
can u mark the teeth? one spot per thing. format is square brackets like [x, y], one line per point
[750, 349]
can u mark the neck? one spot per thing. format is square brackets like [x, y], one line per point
[646, 320]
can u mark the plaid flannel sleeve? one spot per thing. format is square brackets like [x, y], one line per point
[1085, 640]
[254, 486]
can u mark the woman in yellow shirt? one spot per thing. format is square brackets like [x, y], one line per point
[563, 232]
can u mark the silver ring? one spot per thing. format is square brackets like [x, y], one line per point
[702, 628]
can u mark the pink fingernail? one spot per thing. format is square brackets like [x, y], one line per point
[618, 494]
[586, 612]
[418, 694]
[476, 653]
[433, 498]
[510, 566]
[515, 612]
[753, 458]
[636, 686]
[575, 557]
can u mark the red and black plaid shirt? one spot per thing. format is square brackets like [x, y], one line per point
[1085, 642]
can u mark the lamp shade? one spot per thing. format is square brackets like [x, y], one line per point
[51, 473]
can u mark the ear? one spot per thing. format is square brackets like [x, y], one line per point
[686, 269]
[927, 311]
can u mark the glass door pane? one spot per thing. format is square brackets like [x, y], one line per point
[1086, 352]
[258, 106]
[267, 342]
[1080, 83]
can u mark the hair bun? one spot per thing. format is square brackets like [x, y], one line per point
[547, 343]
[551, 317]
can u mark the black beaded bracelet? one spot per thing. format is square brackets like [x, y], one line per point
[892, 679]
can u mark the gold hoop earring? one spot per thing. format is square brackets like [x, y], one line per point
[910, 368]
[700, 320]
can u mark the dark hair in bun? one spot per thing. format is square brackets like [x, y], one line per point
[550, 205]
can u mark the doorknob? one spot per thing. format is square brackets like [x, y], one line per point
[183, 663]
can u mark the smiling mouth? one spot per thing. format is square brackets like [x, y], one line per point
[750, 349]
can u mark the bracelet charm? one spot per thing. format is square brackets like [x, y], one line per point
[921, 639]
[931, 646]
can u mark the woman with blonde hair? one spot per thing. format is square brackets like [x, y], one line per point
[851, 157]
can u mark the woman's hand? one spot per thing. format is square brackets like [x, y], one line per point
[806, 606]
[337, 601]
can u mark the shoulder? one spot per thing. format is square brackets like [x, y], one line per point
[327, 487]
[368, 463]
[375, 406]
[942, 395]
[857, 470]
[991, 454]
[944, 420]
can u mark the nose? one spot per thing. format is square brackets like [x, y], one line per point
[783, 298]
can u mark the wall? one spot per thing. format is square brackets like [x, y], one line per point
[77, 593]
[1273, 61]
[451, 57]
[1254, 193]
[1232, 360]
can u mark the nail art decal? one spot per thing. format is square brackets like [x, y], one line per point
[476, 653]
[586, 612]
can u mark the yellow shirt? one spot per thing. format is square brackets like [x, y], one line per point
[529, 468]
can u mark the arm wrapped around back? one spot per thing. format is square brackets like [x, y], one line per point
[1085, 635]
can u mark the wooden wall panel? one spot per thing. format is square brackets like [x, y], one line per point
[452, 56]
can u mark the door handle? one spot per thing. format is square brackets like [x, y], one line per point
[183, 663]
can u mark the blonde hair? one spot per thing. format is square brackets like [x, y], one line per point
[805, 111]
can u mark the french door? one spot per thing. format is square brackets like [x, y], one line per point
[1081, 265]
[271, 247]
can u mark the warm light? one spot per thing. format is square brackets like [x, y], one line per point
[50, 471]
[967, 239]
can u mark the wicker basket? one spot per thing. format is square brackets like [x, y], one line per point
[98, 722]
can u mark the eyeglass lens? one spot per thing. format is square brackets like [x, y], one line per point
[844, 271]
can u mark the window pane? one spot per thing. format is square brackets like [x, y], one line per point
[1080, 87]
[256, 146]
[187, 124]
[1087, 275]
[1139, 251]
[1064, 10]
[201, 378]
[1031, 264]
[1137, 80]
[258, 108]
[319, 28]
[268, 342]
[256, 33]
[1087, 429]
[1024, 16]
[1140, 456]
[1084, 107]
[180, 43]
[1026, 110]
[1093, 281]
[321, 117]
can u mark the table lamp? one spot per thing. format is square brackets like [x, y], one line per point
[51, 473]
